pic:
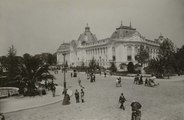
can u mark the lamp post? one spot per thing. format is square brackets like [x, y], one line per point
[100, 64]
[66, 96]
[64, 54]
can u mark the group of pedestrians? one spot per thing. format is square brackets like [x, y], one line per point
[92, 77]
[150, 82]
[79, 96]
[138, 80]
[136, 106]
[73, 74]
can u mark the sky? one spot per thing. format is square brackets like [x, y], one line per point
[37, 26]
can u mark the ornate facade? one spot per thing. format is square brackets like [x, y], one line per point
[121, 47]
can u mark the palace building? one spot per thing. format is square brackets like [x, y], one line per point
[121, 47]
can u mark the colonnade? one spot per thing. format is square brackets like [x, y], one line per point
[99, 54]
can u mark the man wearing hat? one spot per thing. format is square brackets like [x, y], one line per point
[136, 112]
[122, 101]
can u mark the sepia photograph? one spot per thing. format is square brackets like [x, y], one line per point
[91, 59]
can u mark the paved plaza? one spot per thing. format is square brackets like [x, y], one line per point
[164, 102]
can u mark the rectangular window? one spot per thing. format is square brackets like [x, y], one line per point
[114, 58]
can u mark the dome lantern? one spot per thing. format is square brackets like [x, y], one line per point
[87, 28]
[87, 36]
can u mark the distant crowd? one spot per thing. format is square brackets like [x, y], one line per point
[149, 81]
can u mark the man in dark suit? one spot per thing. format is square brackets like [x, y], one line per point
[122, 101]
[77, 96]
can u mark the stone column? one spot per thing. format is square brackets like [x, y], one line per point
[133, 53]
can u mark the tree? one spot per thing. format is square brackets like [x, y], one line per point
[166, 48]
[12, 64]
[3, 62]
[33, 71]
[143, 55]
[167, 61]
[179, 60]
[83, 66]
[166, 54]
[98, 66]
[27, 69]
[156, 66]
[47, 58]
[130, 67]
[92, 64]
[51, 59]
[113, 67]
[122, 65]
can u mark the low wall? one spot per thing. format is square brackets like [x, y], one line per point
[8, 91]
[143, 75]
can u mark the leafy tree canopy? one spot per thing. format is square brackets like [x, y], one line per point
[113, 67]
[130, 67]
[142, 55]
[166, 48]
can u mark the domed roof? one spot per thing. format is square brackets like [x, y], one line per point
[87, 36]
[64, 47]
[123, 31]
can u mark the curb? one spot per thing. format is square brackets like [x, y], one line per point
[31, 105]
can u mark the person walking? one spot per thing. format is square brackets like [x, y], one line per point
[136, 113]
[77, 96]
[71, 74]
[105, 74]
[119, 81]
[88, 76]
[82, 95]
[146, 82]
[122, 101]
[91, 77]
[2, 116]
[136, 80]
[66, 100]
[94, 77]
[140, 80]
[54, 90]
[79, 81]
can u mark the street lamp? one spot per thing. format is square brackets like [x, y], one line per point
[64, 54]
[66, 97]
